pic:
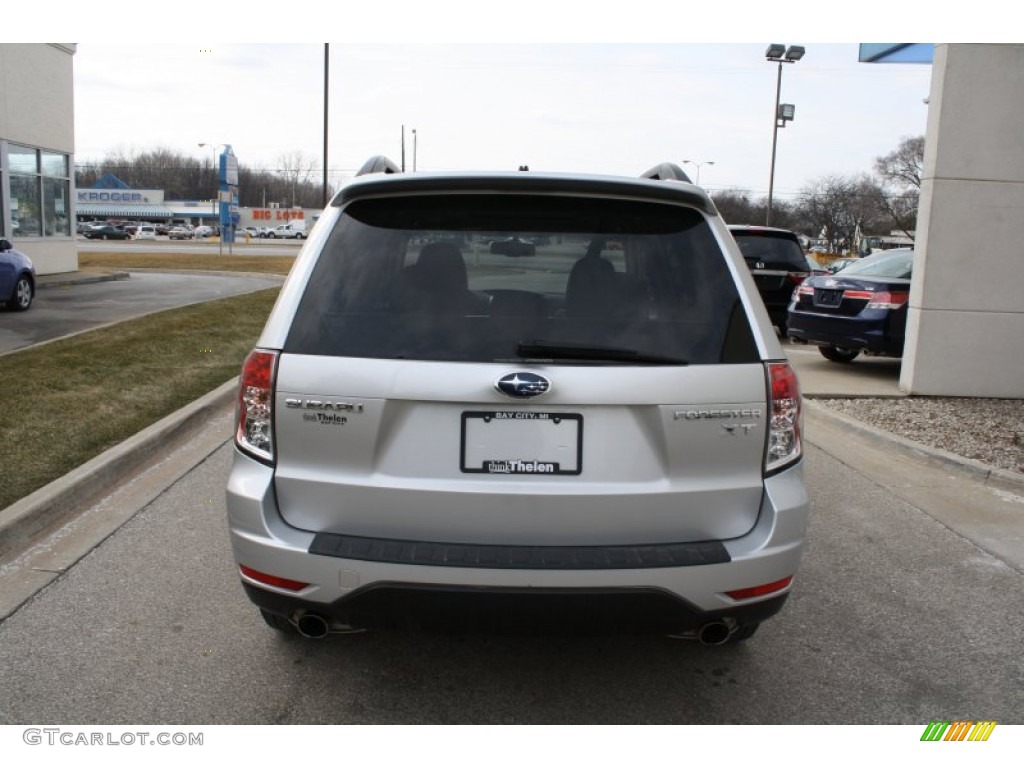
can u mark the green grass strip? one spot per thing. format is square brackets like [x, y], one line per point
[273, 265]
[68, 401]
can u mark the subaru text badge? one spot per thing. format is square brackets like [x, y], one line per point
[522, 384]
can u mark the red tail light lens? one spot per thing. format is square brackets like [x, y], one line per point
[785, 411]
[761, 590]
[255, 412]
[889, 300]
[274, 581]
[797, 277]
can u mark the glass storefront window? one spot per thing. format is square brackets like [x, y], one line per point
[23, 159]
[54, 164]
[40, 187]
[55, 207]
[25, 208]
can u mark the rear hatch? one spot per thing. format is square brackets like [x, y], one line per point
[610, 457]
[603, 389]
[776, 260]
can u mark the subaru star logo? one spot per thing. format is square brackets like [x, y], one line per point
[522, 384]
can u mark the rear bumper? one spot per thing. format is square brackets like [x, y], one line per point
[665, 587]
[873, 334]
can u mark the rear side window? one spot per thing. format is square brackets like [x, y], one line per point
[773, 249]
[513, 278]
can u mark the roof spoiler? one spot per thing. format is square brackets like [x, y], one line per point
[378, 164]
[666, 172]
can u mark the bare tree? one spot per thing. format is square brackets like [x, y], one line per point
[737, 207]
[184, 177]
[298, 170]
[902, 167]
[838, 207]
[900, 188]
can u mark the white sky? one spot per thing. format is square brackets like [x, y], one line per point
[531, 83]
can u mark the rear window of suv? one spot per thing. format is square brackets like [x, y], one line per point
[776, 250]
[513, 278]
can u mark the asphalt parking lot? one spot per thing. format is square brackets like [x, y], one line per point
[60, 310]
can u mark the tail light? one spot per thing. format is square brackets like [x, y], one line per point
[889, 300]
[255, 412]
[797, 277]
[785, 414]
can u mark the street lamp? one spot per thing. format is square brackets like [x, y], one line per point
[694, 162]
[414, 150]
[782, 112]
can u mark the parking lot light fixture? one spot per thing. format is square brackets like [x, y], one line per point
[782, 55]
[694, 162]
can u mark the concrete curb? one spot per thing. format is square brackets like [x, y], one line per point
[981, 472]
[53, 505]
[214, 272]
[79, 278]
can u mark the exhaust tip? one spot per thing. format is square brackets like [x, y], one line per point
[714, 633]
[312, 625]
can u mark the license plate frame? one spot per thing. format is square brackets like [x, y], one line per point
[535, 443]
[828, 297]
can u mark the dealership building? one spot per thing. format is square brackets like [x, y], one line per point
[37, 146]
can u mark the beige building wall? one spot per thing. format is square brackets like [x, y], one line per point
[37, 110]
[965, 331]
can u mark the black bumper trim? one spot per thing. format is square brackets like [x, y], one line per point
[440, 608]
[585, 558]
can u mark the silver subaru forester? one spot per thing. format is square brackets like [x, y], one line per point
[513, 401]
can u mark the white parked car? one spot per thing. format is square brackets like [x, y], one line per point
[203, 231]
[145, 232]
[291, 230]
[430, 433]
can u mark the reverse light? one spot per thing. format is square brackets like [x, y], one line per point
[889, 300]
[273, 581]
[785, 446]
[255, 409]
[802, 290]
[761, 590]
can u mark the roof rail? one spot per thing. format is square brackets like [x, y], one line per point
[666, 172]
[378, 164]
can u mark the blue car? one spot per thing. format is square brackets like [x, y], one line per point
[862, 308]
[17, 278]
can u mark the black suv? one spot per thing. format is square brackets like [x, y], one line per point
[776, 259]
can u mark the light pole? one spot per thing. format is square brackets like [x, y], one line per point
[694, 162]
[782, 112]
[414, 150]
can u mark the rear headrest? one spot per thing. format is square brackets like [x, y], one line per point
[443, 263]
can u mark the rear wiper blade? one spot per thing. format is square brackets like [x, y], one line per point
[563, 351]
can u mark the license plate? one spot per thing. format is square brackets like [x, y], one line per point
[522, 443]
[828, 298]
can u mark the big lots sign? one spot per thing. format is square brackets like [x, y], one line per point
[276, 214]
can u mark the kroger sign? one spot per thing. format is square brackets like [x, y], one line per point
[133, 197]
